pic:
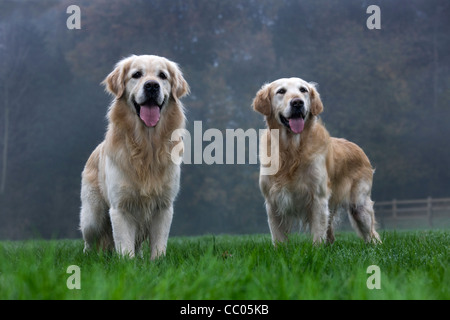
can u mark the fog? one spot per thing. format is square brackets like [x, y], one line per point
[385, 89]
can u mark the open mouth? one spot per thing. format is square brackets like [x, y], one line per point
[149, 111]
[296, 123]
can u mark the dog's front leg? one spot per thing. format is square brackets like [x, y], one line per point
[124, 232]
[159, 231]
[319, 216]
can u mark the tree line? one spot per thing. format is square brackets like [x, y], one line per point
[385, 89]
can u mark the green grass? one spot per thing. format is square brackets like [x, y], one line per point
[413, 265]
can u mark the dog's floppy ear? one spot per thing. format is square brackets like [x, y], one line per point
[316, 102]
[262, 102]
[115, 81]
[180, 86]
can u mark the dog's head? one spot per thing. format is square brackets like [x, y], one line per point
[147, 83]
[288, 103]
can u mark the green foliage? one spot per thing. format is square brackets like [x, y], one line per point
[413, 265]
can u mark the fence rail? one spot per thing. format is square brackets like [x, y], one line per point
[397, 210]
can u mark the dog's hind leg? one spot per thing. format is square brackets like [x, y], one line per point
[362, 219]
[95, 224]
[360, 212]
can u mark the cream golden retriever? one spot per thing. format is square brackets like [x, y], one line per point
[317, 174]
[129, 182]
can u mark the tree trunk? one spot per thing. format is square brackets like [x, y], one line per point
[435, 60]
[5, 151]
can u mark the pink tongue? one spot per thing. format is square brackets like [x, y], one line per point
[150, 115]
[297, 124]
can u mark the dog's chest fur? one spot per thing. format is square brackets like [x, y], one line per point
[296, 196]
[302, 175]
[140, 175]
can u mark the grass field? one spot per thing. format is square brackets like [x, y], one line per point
[413, 265]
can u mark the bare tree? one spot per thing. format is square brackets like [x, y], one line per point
[14, 55]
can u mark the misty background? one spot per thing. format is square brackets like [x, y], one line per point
[387, 90]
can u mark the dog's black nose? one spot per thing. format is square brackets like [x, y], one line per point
[298, 108]
[297, 103]
[151, 86]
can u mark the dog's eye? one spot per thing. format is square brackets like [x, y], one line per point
[162, 75]
[137, 75]
[303, 90]
[281, 91]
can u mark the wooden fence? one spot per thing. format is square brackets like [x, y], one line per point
[398, 210]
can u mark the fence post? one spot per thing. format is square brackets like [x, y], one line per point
[394, 212]
[430, 211]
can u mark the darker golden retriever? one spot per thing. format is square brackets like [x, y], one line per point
[317, 174]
